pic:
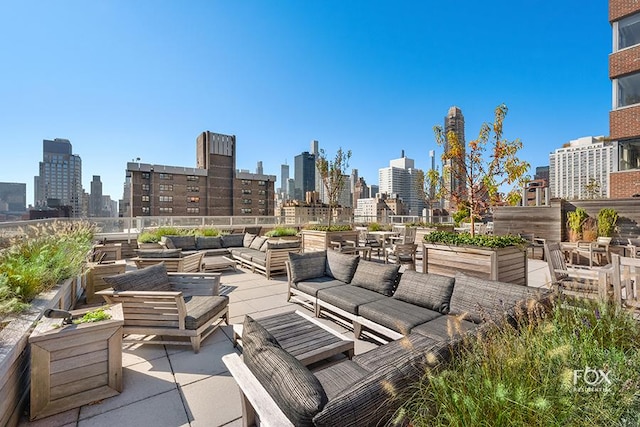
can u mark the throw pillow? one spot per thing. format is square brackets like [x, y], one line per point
[307, 265]
[253, 333]
[152, 278]
[376, 277]
[232, 240]
[341, 266]
[167, 242]
[186, 243]
[257, 242]
[247, 239]
[427, 290]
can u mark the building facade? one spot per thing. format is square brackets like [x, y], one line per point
[213, 188]
[95, 198]
[13, 197]
[453, 176]
[581, 169]
[60, 177]
[304, 174]
[624, 117]
[401, 179]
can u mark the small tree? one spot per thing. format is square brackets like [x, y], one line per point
[332, 173]
[483, 176]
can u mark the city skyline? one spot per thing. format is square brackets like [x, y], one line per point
[123, 81]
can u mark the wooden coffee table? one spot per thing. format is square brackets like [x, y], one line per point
[217, 263]
[303, 336]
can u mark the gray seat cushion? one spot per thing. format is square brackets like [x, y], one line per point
[348, 297]
[412, 349]
[309, 265]
[376, 277]
[283, 244]
[159, 253]
[186, 243]
[203, 308]
[259, 258]
[216, 252]
[396, 315]
[232, 240]
[292, 386]
[341, 266]
[482, 299]
[336, 378]
[446, 328]
[431, 291]
[312, 286]
[152, 278]
[208, 242]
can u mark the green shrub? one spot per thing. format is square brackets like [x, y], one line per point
[281, 231]
[534, 376]
[607, 219]
[154, 235]
[576, 218]
[320, 227]
[465, 239]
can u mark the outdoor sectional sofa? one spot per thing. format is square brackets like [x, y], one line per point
[258, 253]
[426, 315]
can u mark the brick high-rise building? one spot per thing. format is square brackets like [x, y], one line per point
[213, 188]
[624, 118]
[454, 171]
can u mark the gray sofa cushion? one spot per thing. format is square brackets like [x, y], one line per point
[414, 349]
[292, 386]
[216, 252]
[247, 239]
[308, 265]
[203, 308]
[341, 266]
[312, 286]
[483, 299]
[208, 242]
[152, 278]
[376, 277]
[186, 243]
[232, 240]
[396, 315]
[446, 328]
[257, 242]
[431, 291]
[253, 333]
[159, 253]
[348, 298]
[283, 244]
[336, 378]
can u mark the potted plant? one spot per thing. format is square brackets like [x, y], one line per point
[283, 233]
[589, 230]
[502, 258]
[607, 219]
[575, 220]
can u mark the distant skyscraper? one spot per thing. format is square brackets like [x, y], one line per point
[13, 197]
[319, 186]
[60, 176]
[453, 173]
[95, 198]
[400, 179]
[259, 169]
[284, 178]
[305, 174]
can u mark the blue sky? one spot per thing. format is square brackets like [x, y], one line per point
[127, 79]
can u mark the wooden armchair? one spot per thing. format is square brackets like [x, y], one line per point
[626, 283]
[168, 305]
[595, 251]
[186, 264]
[403, 254]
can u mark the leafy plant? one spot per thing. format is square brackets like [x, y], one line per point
[534, 375]
[155, 235]
[93, 316]
[148, 237]
[374, 226]
[281, 231]
[466, 239]
[575, 220]
[320, 227]
[607, 219]
[589, 229]
[333, 175]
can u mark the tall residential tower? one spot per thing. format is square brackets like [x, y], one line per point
[454, 171]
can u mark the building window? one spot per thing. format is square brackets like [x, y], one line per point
[193, 210]
[246, 191]
[166, 210]
[194, 199]
[246, 201]
[262, 211]
[165, 176]
[192, 178]
[166, 198]
[261, 202]
[145, 198]
[262, 183]
[262, 192]
[166, 187]
[193, 188]
[628, 90]
[629, 31]
[145, 187]
[246, 182]
[146, 175]
[629, 154]
[145, 209]
[245, 210]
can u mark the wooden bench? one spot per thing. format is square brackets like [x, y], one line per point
[186, 264]
[274, 262]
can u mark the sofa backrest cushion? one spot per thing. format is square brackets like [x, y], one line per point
[208, 242]
[257, 242]
[247, 239]
[305, 266]
[376, 277]
[232, 240]
[152, 278]
[341, 266]
[427, 290]
[283, 244]
[186, 243]
[290, 384]
[159, 253]
[482, 299]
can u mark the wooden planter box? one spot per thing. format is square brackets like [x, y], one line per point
[96, 275]
[112, 251]
[503, 264]
[313, 240]
[73, 365]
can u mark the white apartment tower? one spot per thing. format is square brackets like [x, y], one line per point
[400, 178]
[578, 164]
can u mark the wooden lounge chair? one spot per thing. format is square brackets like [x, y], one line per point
[185, 264]
[626, 283]
[168, 305]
